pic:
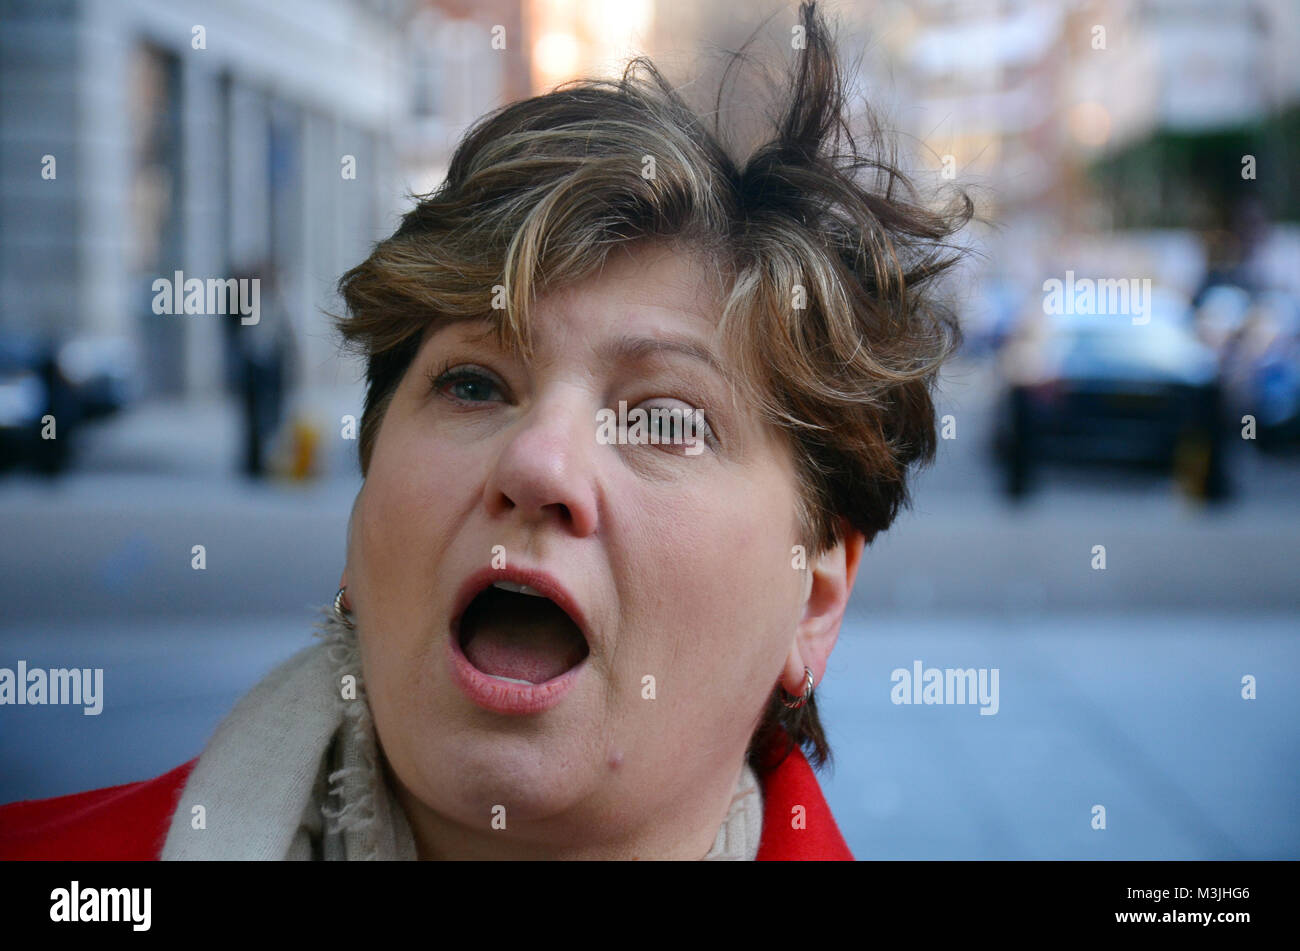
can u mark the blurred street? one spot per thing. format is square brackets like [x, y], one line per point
[1119, 687]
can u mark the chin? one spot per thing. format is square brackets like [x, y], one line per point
[534, 776]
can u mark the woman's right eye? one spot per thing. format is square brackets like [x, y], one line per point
[466, 385]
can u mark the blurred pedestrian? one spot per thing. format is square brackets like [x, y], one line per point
[260, 353]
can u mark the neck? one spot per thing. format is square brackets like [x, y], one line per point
[685, 831]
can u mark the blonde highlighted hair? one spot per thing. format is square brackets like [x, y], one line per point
[540, 191]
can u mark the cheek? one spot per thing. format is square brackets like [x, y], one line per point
[415, 487]
[403, 527]
[415, 467]
[410, 510]
[716, 583]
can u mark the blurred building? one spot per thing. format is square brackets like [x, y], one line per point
[1021, 98]
[466, 58]
[209, 138]
[216, 138]
[572, 38]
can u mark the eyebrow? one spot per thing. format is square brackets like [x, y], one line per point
[627, 349]
[624, 349]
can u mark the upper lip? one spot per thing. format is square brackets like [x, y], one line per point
[535, 578]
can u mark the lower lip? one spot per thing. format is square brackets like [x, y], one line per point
[504, 696]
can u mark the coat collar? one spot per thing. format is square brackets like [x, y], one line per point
[129, 822]
[797, 822]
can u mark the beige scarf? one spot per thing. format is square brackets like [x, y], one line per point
[293, 773]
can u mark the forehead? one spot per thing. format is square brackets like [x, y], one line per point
[670, 277]
[642, 290]
[645, 290]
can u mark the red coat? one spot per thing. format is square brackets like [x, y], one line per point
[130, 822]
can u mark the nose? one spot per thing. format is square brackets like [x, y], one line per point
[545, 470]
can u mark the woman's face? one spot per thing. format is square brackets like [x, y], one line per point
[677, 561]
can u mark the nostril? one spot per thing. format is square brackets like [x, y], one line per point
[528, 480]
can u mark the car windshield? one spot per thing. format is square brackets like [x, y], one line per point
[1157, 350]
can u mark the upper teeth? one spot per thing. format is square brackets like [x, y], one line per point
[517, 588]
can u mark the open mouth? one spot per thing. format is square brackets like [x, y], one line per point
[516, 633]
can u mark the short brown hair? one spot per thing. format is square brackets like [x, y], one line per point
[539, 191]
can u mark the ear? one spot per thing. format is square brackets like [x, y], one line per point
[829, 585]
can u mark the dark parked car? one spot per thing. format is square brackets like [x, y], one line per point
[1103, 389]
[71, 382]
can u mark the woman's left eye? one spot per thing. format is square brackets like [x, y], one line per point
[680, 425]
